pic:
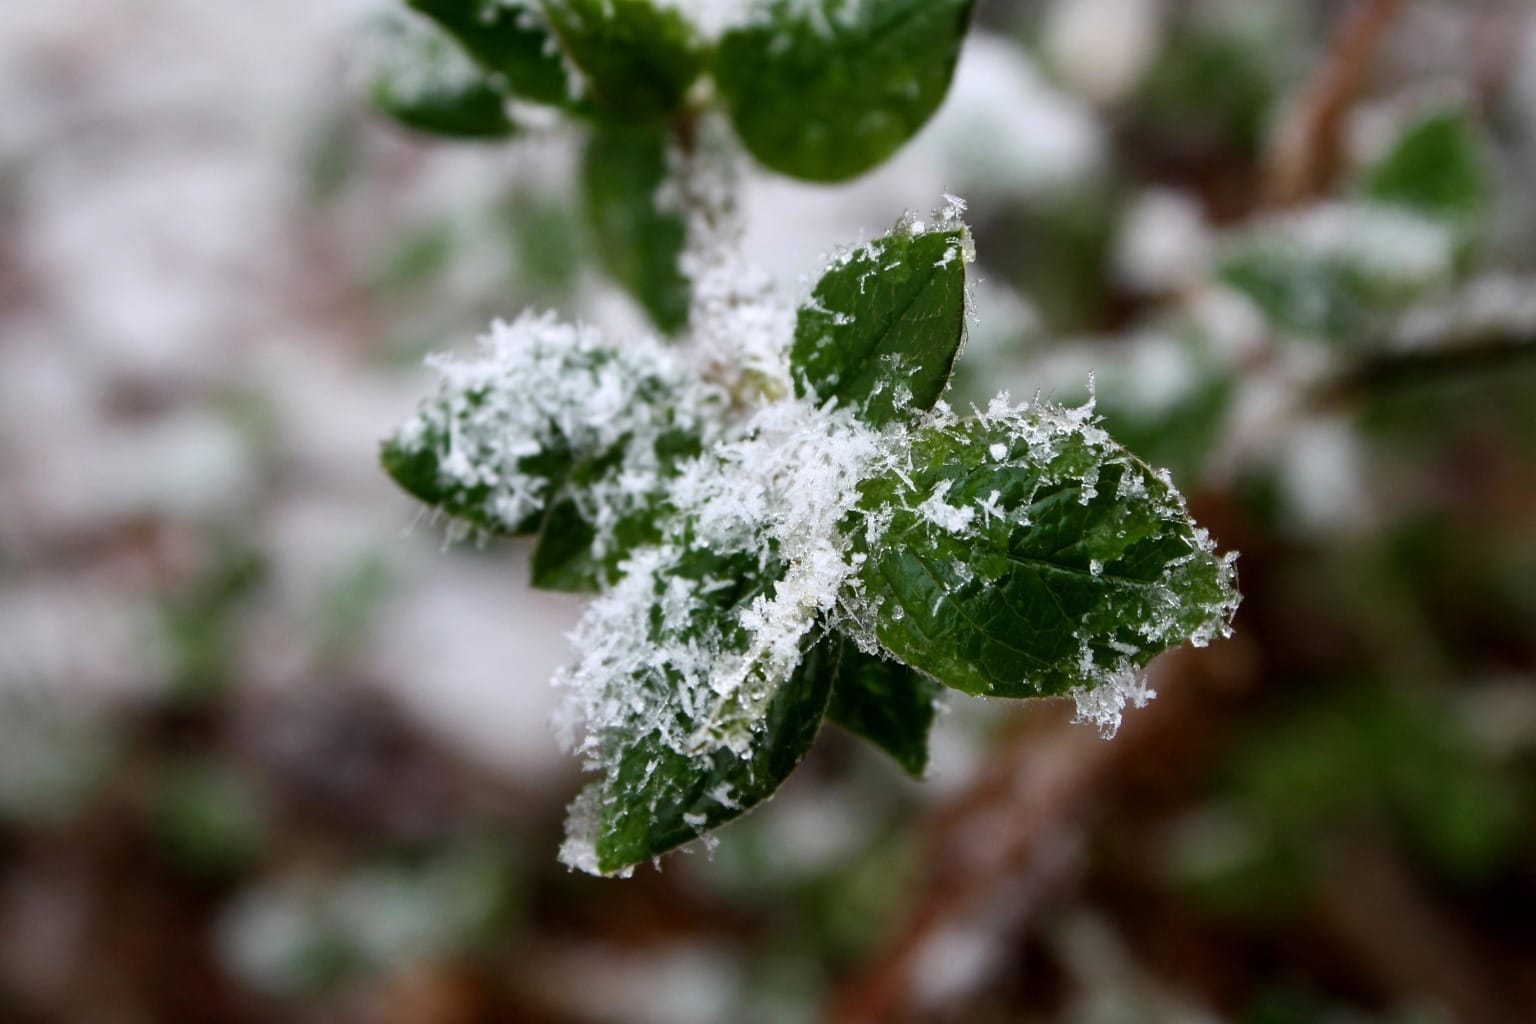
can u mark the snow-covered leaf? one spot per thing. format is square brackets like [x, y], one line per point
[885, 702]
[1023, 553]
[508, 38]
[1438, 167]
[638, 241]
[669, 773]
[421, 78]
[698, 682]
[885, 324]
[635, 58]
[826, 89]
[551, 417]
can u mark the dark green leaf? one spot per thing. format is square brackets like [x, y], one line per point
[1438, 168]
[885, 702]
[654, 797]
[636, 58]
[827, 89]
[639, 243]
[571, 556]
[552, 414]
[1026, 554]
[885, 325]
[563, 558]
[507, 37]
[418, 471]
[422, 79]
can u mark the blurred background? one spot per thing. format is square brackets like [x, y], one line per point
[270, 752]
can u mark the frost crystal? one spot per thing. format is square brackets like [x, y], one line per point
[1102, 705]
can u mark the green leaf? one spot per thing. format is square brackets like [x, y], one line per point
[417, 467]
[885, 325]
[885, 702]
[509, 38]
[654, 796]
[422, 79]
[636, 58]
[1336, 272]
[1438, 167]
[575, 556]
[826, 89]
[563, 558]
[1023, 553]
[639, 243]
[553, 431]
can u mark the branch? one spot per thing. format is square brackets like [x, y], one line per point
[1390, 368]
[1308, 148]
[1008, 831]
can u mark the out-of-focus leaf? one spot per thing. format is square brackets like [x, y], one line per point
[1337, 272]
[826, 89]
[421, 78]
[638, 242]
[1438, 167]
[508, 37]
[636, 58]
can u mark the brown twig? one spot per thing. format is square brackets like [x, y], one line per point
[1387, 369]
[1308, 148]
[1003, 828]
[1376, 911]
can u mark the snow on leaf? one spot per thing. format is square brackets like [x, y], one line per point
[886, 322]
[549, 417]
[696, 653]
[1066, 581]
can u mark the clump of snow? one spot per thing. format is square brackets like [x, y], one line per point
[1103, 704]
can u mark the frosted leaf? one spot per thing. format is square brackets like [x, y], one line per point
[548, 412]
[1063, 579]
[886, 322]
[696, 660]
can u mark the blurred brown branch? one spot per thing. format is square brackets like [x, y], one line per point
[1308, 147]
[1007, 831]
